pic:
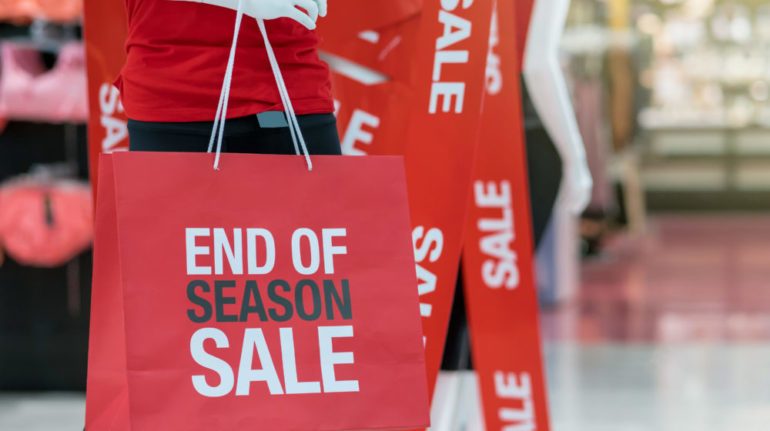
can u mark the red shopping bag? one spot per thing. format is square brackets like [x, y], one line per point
[260, 296]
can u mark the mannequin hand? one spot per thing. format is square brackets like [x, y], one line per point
[577, 187]
[273, 9]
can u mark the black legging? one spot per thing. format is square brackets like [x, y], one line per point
[544, 166]
[242, 135]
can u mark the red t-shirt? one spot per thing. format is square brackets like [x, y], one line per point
[177, 55]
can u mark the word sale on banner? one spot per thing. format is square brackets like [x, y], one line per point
[498, 255]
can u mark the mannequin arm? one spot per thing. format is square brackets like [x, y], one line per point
[548, 89]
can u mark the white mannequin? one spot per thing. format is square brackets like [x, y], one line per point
[548, 90]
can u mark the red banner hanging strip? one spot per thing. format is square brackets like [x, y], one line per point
[450, 62]
[105, 36]
[523, 17]
[498, 255]
[443, 102]
[347, 18]
[369, 117]
[386, 50]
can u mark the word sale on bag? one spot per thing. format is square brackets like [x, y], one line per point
[318, 298]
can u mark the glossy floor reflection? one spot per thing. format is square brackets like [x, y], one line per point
[671, 388]
[692, 278]
[671, 332]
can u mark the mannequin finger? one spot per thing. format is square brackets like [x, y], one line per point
[310, 6]
[322, 7]
[301, 17]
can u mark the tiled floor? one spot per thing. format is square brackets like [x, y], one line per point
[670, 333]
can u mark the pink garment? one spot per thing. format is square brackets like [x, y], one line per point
[29, 92]
[45, 224]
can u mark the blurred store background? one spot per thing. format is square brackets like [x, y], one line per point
[669, 329]
[666, 325]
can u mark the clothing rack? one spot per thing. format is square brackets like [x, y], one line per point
[44, 311]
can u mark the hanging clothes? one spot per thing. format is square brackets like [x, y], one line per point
[45, 223]
[29, 92]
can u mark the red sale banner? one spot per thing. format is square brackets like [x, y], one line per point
[293, 311]
[372, 87]
[448, 63]
[386, 50]
[105, 34]
[352, 17]
[369, 116]
[498, 255]
[523, 17]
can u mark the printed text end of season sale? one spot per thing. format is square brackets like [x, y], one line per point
[252, 252]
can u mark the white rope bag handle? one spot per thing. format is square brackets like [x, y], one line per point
[218, 132]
